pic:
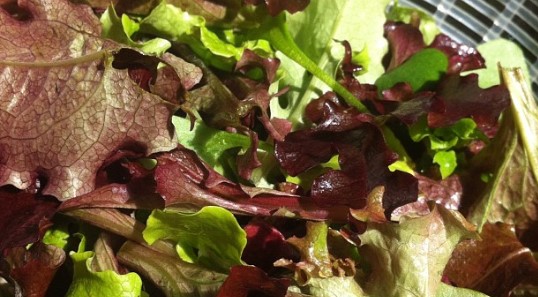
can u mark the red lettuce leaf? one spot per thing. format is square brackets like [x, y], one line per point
[23, 217]
[134, 189]
[65, 109]
[34, 269]
[183, 179]
[461, 57]
[494, 265]
[264, 239]
[245, 281]
[446, 192]
[363, 157]
[406, 39]
[460, 97]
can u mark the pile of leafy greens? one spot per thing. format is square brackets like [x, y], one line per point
[261, 148]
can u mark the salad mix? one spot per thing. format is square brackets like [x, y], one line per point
[261, 148]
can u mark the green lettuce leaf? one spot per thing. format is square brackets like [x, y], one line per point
[213, 46]
[211, 144]
[211, 237]
[425, 67]
[87, 282]
[442, 142]
[122, 29]
[512, 158]
[343, 20]
[499, 51]
[173, 276]
[58, 235]
[408, 259]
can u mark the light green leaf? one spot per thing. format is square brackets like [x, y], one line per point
[408, 258]
[335, 286]
[450, 291]
[122, 29]
[57, 235]
[106, 283]
[447, 162]
[502, 51]
[211, 237]
[212, 144]
[512, 157]
[343, 20]
[174, 277]
[423, 68]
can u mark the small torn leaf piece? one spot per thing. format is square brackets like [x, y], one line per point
[173, 276]
[447, 192]
[210, 237]
[24, 217]
[33, 269]
[65, 108]
[315, 260]
[410, 256]
[494, 264]
[432, 64]
[244, 281]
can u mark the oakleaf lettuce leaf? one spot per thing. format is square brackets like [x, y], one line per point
[75, 109]
[211, 237]
[408, 259]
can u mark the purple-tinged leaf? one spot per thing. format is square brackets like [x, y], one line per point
[65, 108]
[461, 57]
[24, 217]
[264, 239]
[244, 281]
[404, 41]
[460, 97]
[185, 180]
[33, 269]
[493, 265]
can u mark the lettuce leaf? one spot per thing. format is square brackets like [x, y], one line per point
[211, 237]
[87, 282]
[410, 257]
[78, 107]
[344, 19]
[510, 196]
